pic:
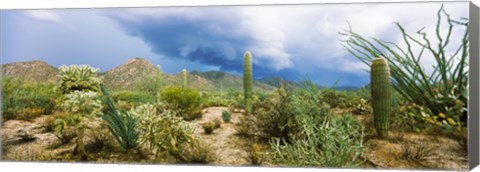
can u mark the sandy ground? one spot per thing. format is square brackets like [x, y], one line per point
[228, 148]
[31, 141]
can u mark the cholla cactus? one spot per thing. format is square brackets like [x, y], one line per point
[160, 130]
[85, 103]
[78, 78]
[381, 95]
[247, 81]
[80, 86]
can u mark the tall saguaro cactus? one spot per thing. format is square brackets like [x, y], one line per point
[381, 95]
[184, 78]
[247, 81]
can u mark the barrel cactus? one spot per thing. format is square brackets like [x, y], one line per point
[381, 95]
[247, 81]
[184, 78]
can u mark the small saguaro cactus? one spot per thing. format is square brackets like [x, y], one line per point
[381, 95]
[184, 78]
[247, 81]
[158, 80]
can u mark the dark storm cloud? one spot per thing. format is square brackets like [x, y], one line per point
[214, 38]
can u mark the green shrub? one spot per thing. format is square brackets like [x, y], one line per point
[335, 141]
[26, 100]
[246, 127]
[184, 101]
[360, 106]
[215, 99]
[199, 153]
[209, 127]
[276, 115]
[133, 97]
[335, 98]
[162, 132]
[226, 116]
[306, 133]
[410, 117]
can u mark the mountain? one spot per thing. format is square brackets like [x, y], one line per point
[137, 72]
[127, 75]
[277, 81]
[229, 81]
[36, 71]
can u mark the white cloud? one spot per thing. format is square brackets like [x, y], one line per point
[43, 15]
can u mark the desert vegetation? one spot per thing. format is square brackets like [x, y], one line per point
[405, 118]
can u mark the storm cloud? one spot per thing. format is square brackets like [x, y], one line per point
[291, 41]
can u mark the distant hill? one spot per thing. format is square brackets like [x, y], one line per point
[36, 71]
[133, 73]
[127, 75]
[228, 81]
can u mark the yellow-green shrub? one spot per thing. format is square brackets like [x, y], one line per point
[185, 102]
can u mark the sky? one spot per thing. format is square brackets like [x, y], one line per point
[291, 41]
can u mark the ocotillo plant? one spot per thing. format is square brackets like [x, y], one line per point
[247, 81]
[184, 78]
[381, 95]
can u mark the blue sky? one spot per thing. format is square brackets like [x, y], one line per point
[291, 41]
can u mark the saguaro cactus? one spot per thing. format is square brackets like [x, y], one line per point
[184, 78]
[381, 95]
[158, 80]
[247, 81]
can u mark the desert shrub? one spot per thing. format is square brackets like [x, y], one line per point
[276, 116]
[200, 153]
[161, 131]
[133, 98]
[410, 117]
[235, 97]
[99, 138]
[217, 100]
[121, 124]
[208, 127]
[317, 137]
[255, 154]
[334, 98]
[211, 125]
[26, 100]
[185, 102]
[359, 106]
[226, 116]
[444, 91]
[246, 127]
[335, 141]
